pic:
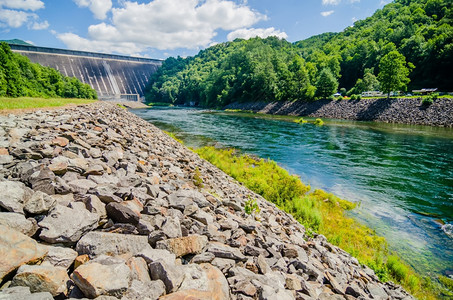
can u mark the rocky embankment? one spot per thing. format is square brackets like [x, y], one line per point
[406, 111]
[97, 203]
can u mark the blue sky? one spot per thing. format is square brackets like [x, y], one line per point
[162, 28]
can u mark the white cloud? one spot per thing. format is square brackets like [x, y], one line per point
[254, 32]
[99, 8]
[14, 18]
[163, 24]
[22, 4]
[39, 26]
[331, 2]
[327, 13]
[76, 42]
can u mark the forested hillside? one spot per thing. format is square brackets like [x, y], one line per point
[416, 34]
[20, 77]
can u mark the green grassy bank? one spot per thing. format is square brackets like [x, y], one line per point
[29, 102]
[324, 213]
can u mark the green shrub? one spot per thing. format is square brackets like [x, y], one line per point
[300, 121]
[197, 180]
[397, 268]
[339, 98]
[447, 282]
[354, 97]
[319, 122]
[427, 101]
[251, 207]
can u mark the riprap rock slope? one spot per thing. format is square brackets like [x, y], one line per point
[97, 203]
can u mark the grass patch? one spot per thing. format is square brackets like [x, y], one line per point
[160, 104]
[324, 213]
[239, 111]
[27, 102]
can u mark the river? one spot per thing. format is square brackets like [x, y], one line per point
[401, 175]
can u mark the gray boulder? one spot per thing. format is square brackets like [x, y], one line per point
[39, 203]
[60, 256]
[14, 195]
[95, 279]
[19, 222]
[67, 225]
[98, 243]
[42, 279]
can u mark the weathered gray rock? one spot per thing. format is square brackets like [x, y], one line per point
[138, 290]
[67, 225]
[23, 293]
[150, 255]
[94, 205]
[193, 244]
[60, 256]
[39, 203]
[14, 195]
[205, 257]
[17, 249]
[98, 243]
[224, 251]
[18, 222]
[81, 186]
[42, 279]
[121, 213]
[42, 181]
[172, 227]
[95, 279]
[139, 269]
[202, 282]
[170, 274]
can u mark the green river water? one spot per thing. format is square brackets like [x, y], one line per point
[401, 175]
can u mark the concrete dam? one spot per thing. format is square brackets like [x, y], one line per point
[112, 76]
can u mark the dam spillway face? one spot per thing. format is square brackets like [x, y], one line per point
[112, 76]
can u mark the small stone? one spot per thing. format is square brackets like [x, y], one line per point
[80, 260]
[42, 279]
[193, 244]
[60, 141]
[293, 282]
[81, 186]
[205, 257]
[121, 213]
[172, 227]
[145, 290]
[39, 203]
[94, 170]
[139, 269]
[224, 251]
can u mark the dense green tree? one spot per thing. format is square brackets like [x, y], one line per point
[327, 84]
[20, 77]
[275, 70]
[393, 72]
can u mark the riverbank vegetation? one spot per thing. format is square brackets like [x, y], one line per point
[21, 78]
[325, 214]
[414, 37]
[28, 102]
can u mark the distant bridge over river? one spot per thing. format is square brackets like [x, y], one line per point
[112, 76]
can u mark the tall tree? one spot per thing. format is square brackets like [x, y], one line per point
[394, 72]
[327, 84]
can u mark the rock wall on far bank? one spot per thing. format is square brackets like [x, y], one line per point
[98, 203]
[394, 110]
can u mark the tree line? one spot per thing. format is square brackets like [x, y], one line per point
[407, 44]
[21, 78]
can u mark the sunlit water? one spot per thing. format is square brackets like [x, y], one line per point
[401, 175]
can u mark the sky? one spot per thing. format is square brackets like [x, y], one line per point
[162, 28]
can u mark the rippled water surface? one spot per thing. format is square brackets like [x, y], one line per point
[401, 175]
